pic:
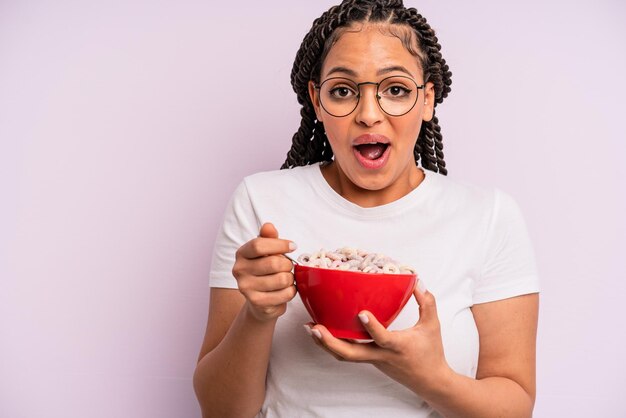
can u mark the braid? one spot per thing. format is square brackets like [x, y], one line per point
[299, 153]
[436, 70]
[309, 143]
[441, 164]
[427, 154]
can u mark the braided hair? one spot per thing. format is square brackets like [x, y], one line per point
[309, 143]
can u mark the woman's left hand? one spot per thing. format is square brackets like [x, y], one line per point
[414, 356]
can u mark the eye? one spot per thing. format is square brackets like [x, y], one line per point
[341, 92]
[397, 91]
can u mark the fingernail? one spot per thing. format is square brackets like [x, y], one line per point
[307, 328]
[292, 246]
[421, 286]
[317, 333]
[363, 317]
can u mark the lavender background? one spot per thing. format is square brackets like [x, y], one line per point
[125, 126]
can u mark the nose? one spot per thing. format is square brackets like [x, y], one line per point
[368, 111]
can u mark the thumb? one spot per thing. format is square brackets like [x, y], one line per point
[268, 230]
[379, 333]
[426, 302]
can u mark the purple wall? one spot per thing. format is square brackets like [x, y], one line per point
[124, 127]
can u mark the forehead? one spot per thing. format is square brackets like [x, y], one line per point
[366, 50]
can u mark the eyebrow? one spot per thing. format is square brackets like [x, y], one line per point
[382, 71]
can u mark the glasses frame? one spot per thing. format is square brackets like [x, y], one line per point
[318, 87]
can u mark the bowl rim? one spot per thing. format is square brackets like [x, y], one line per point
[356, 273]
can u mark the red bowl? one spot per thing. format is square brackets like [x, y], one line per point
[334, 298]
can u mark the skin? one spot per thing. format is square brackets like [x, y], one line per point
[235, 352]
[400, 175]
[236, 347]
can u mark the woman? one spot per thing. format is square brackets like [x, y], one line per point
[368, 76]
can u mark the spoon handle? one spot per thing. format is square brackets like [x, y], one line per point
[291, 259]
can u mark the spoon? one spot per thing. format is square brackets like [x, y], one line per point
[295, 263]
[292, 260]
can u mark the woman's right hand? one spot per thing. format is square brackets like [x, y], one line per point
[263, 275]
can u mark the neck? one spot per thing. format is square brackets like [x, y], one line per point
[366, 198]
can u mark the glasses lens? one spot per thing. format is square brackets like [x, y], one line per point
[397, 95]
[339, 96]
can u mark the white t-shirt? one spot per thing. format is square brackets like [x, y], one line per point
[468, 245]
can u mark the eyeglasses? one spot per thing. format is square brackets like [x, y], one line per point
[396, 95]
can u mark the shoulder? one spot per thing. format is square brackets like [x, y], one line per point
[275, 181]
[459, 195]
[285, 174]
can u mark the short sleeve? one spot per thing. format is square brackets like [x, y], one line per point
[239, 225]
[509, 267]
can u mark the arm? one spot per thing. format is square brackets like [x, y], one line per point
[229, 379]
[233, 359]
[505, 381]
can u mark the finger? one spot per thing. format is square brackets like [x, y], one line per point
[267, 283]
[268, 299]
[317, 342]
[271, 264]
[316, 335]
[309, 329]
[268, 230]
[426, 302]
[261, 246]
[382, 337]
[344, 350]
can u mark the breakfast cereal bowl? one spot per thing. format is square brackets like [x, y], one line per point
[334, 298]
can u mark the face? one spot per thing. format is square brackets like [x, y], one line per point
[371, 56]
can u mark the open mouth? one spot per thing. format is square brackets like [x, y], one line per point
[372, 151]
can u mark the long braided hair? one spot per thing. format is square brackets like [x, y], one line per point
[309, 144]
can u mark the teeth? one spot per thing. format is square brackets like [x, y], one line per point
[373, 143]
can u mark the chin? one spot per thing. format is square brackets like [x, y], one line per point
[372, 182]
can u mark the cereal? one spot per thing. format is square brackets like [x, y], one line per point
[353, 259]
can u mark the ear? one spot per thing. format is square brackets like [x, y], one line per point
[315, 99]
[429, 99]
